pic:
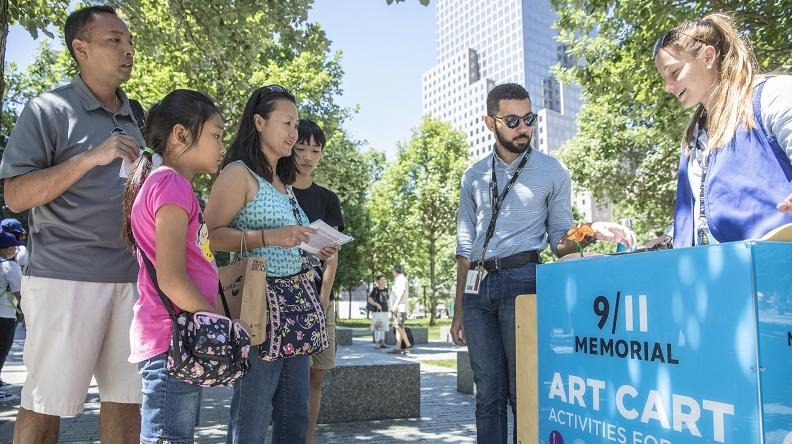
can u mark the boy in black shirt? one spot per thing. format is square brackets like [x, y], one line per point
[318, 203]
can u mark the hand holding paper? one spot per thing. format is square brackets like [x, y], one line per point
[325, 236]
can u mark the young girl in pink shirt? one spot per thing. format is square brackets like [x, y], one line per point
[184, 134]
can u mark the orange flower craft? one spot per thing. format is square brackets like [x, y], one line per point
[583, 235]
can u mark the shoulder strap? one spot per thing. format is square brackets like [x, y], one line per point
[308, 261]
[152, 272]
[255, 175]
[138, 113]
[293, 203]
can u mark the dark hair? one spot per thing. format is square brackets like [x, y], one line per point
[507, 91]
[246, 146]
[398, 269]
[190, 109]
[307, 129]
[77, 24]
[379, 276]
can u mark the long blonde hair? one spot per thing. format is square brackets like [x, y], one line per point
[736, 67]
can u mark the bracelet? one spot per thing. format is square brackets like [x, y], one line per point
[582, 235]
[263, 242]
[589, 239]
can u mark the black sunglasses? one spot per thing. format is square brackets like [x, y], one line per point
[275, 89]
[671, 37]
[513, 121]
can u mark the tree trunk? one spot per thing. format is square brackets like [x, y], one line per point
[350, 303]
[432, 278]
[425, 300]
[3, 39]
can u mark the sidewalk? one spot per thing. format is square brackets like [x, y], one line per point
[447, 416]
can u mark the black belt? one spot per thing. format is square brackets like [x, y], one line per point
[515, 260]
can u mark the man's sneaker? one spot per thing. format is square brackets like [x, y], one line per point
[5, 397]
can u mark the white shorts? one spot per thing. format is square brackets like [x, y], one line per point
[76, 330]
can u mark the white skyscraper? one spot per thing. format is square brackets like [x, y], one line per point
[483, 43]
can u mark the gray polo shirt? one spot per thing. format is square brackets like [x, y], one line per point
[77, 236]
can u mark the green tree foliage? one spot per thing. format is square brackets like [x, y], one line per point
[227, 50]
[349, 173]
[21, 87]
[627, 147]
[414, 209]
[34, 16]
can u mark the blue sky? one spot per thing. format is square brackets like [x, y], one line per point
[385, 49]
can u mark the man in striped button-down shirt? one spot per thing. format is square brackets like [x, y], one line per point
[535, 212]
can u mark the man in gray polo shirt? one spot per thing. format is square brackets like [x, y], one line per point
[62, 162]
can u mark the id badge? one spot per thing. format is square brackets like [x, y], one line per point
[473, 281]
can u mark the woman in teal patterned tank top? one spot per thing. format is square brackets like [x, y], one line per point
[250, 198]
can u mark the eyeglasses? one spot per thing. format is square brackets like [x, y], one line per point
[513, 121]
[277, 89]
[671, 37]
[264, 91]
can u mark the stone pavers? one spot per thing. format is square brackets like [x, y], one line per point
[465, 382]
[364, 388]
[447, 416]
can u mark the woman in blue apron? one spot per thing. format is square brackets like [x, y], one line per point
[735, 175]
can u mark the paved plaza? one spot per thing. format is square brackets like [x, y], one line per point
[447, 416]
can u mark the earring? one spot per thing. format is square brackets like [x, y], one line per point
[709, 66]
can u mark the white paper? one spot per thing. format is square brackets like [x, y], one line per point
[325, 236]
[473, 281]
[126, 168]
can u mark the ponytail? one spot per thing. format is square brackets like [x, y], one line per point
[139, 173]
[184, 107]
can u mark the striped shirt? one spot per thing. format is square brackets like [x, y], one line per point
[537, 210]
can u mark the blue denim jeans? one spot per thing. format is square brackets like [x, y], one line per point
[488, 324]
[276, 390]
[170, 408]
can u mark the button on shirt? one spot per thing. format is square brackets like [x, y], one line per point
[537, 210]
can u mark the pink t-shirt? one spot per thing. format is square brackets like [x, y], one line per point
[151, 326]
